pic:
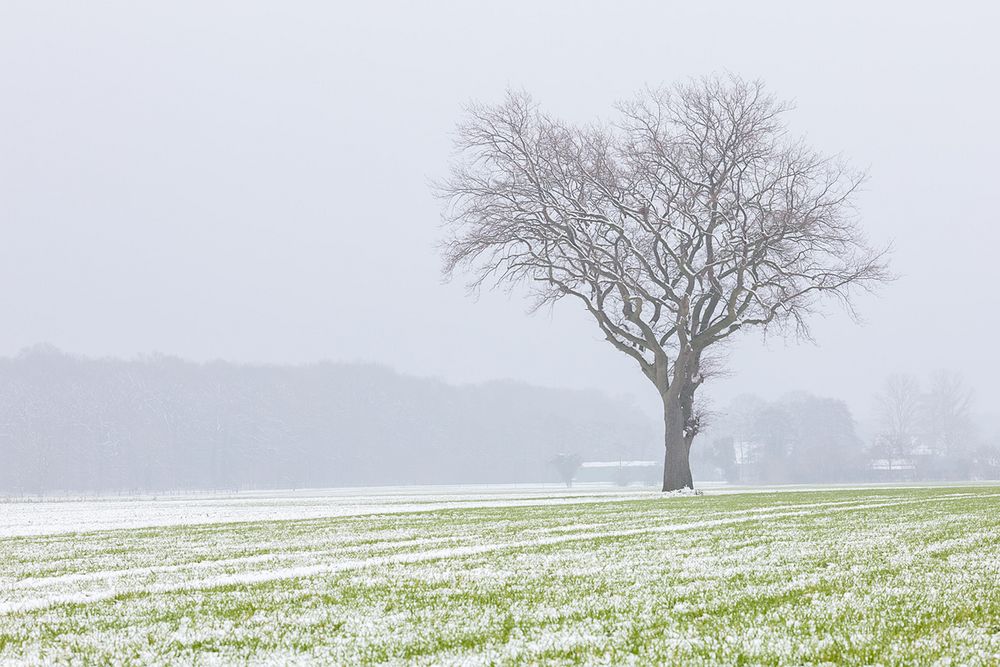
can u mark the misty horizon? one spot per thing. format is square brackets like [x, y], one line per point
[987, 420]
[71, 424]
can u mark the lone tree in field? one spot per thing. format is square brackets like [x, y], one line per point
[691, 218]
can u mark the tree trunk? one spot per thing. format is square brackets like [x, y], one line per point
[676, 461]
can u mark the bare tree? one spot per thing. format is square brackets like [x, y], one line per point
[947, 413]
[693, 217]
[742, 422]
[898, 408]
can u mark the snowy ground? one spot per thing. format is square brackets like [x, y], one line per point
[68, 514]
[505, 575]
[49, 515]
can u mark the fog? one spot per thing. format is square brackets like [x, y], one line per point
[159, 423]
[249, 182]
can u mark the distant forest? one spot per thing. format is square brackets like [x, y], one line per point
[920, 433]
[71, 424]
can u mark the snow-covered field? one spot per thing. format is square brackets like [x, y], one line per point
[77, 514]
[505, 575]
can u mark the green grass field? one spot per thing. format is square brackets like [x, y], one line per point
[894, 576]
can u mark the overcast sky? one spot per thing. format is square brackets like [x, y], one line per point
[249, 181]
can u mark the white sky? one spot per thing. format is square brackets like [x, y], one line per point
[249, 181]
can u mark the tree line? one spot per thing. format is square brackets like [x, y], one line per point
[75, 424]
[72, 424]
[916, 435]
